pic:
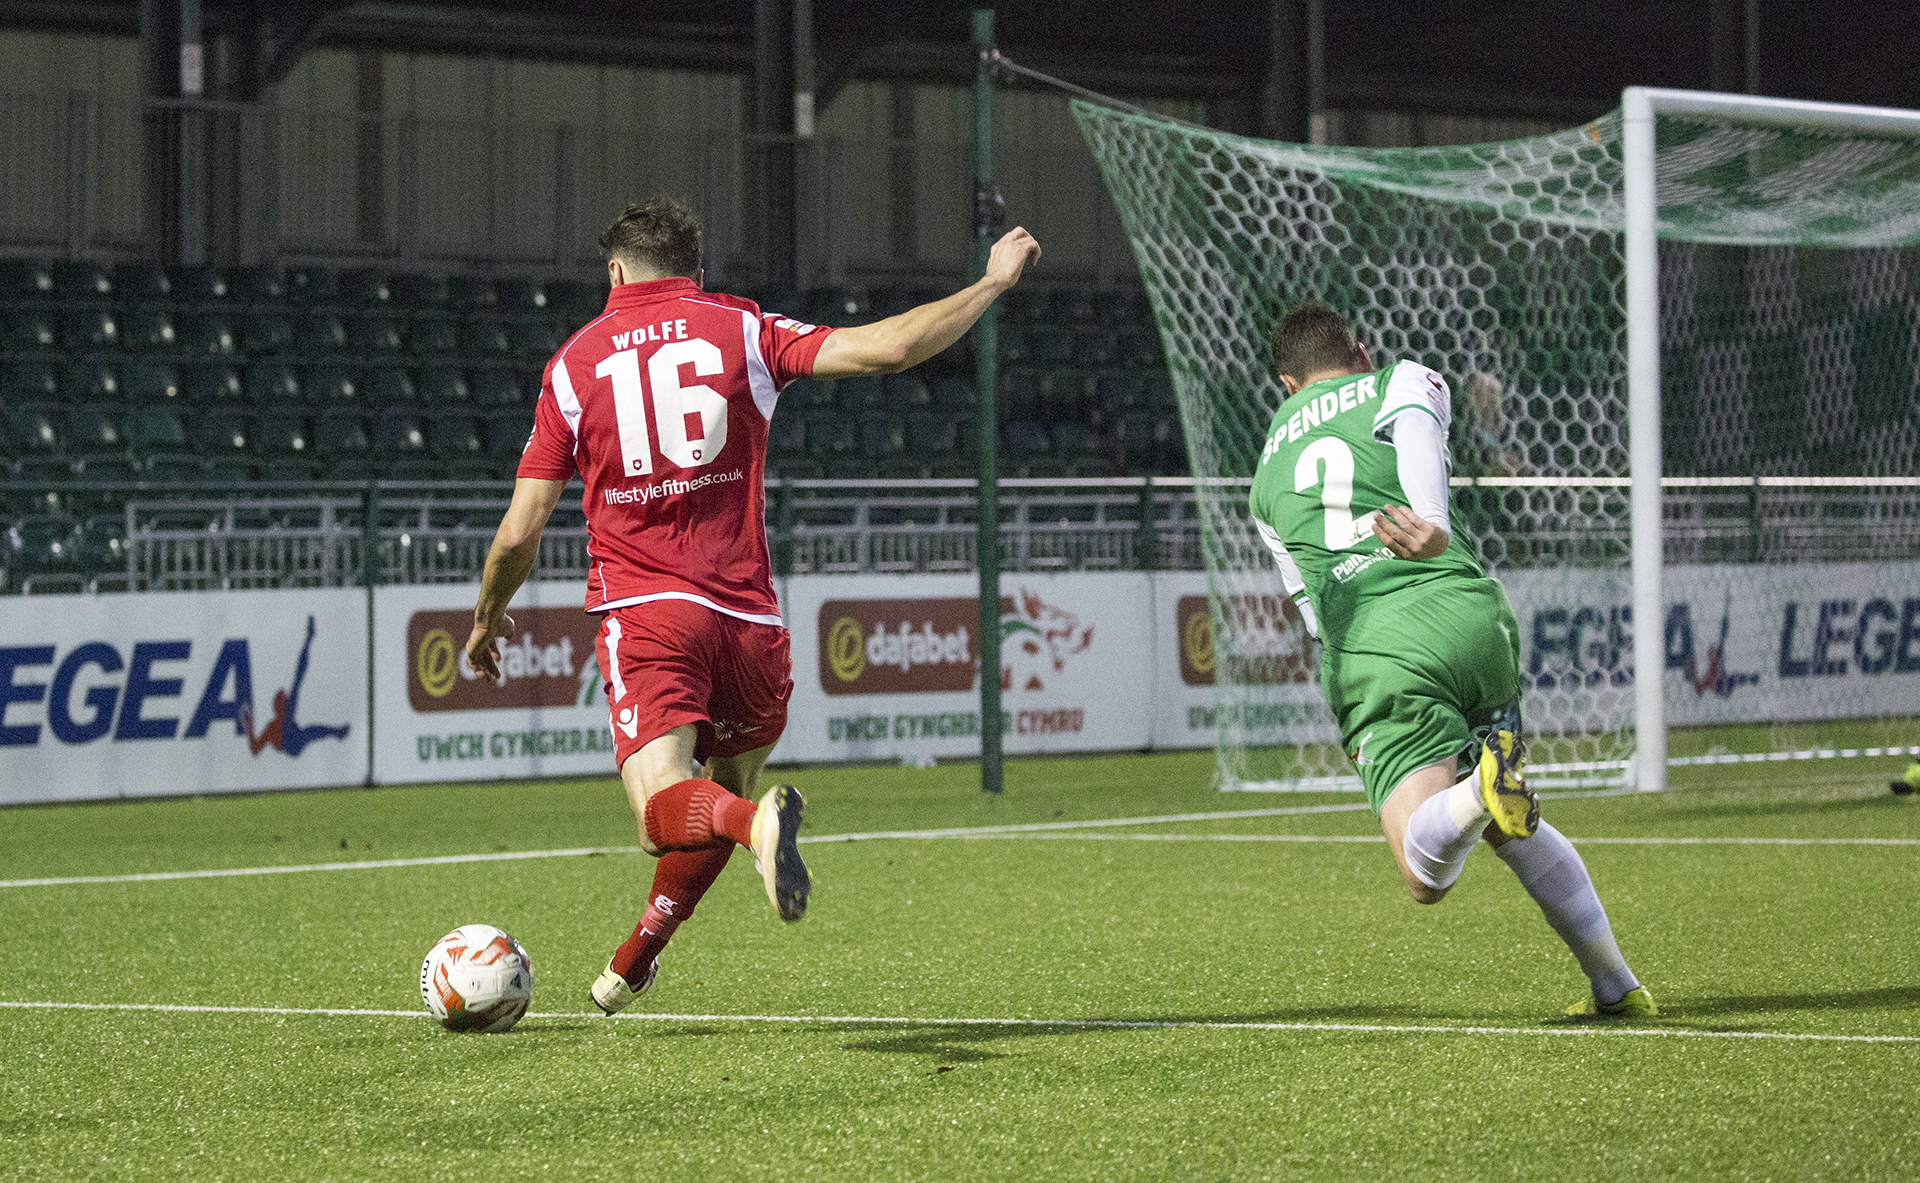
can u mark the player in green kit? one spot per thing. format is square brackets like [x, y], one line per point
[1421, 651]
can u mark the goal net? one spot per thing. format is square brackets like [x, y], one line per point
[1790, 354]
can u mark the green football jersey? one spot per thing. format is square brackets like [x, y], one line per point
[1327, 469]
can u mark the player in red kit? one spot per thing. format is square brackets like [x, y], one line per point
[662, 406]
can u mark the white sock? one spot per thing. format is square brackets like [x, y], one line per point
[1553, 874]
[1441, 833]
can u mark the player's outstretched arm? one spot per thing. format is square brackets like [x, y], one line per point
[515, 546]
[891, 345]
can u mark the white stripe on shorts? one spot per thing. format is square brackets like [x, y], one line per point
[613, 658]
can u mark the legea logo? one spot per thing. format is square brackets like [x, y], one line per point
[133, 706]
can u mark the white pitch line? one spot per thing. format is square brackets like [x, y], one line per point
[1058, 830]
[1056, 1024]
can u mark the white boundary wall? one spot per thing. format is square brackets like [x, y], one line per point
[109, 696]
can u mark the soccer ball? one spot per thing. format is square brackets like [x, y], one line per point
[477, 978]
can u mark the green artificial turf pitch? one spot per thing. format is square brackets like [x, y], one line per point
[938, 1015]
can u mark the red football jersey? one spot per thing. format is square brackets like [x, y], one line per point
[661, 405]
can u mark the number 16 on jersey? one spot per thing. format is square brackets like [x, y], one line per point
[692, 420]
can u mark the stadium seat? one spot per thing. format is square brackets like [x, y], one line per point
[90, 380]
[832, 438]
[435, 335]
[103, 545]
[320, 335]
[152, 431]
[484, 338]
[861, 393]
[89, 329]
[882, 437]
[374, 337]
[1070, 440]
[27, 330]
[496, 387]
[207, 383]
[1075, 305]
[206, 334]
[231, 469]
[1095, 346]
[142, 282]
[1024, 439]
[507, 433]
[931, 433]
[1115, 391]
[459, 449]
[1019, 394]
[472, 293]
[258, 285]
[81, 280]
[386, 386]
[1063, 394]
[954, 393]
[27, 502]
[517, 294]
[92, 429]
[332, 386]
[399, 435]
[1156, 389]
[576, 300]
[42, 545]
[441, 386]
[1050, 345]
[418, 291]
[197, 284]
[267, 333]
[30, 431]
[1141, 349]
[172, 468]
[100, 469]
[807, 394]
[280, 432]
[312, 285]
[363, 287]
[1012, 338]
[221, 432]
[24, 280]
[787, 434]
[907, 392]
[535, 338]
[29, 382]
[341, 436]
[150, 383]
[149, 329]
[272, 384]
[1134, 433]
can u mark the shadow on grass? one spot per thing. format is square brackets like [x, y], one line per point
[1885, 998]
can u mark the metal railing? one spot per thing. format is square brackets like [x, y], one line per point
[437, 532]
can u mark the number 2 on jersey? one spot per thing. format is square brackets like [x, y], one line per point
[682, 442]
[1336, 487]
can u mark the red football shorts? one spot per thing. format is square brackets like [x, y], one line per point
[671, 662]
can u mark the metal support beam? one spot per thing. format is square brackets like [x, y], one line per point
[986, 351]
[771, 146]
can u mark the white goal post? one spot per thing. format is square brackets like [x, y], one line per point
[1639, 107]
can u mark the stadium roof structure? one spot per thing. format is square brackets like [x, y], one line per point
[1563, 60]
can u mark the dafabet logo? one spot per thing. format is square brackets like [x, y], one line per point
[1273, 647]
[898, 646]
[548, 662]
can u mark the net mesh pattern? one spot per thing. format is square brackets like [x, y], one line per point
[1790, 331]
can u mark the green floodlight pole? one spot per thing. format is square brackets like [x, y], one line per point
[986, 211]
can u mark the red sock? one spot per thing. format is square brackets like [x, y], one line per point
[679, 880]
[697, 815]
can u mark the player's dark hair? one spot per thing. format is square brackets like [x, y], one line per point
[1310, 338]
[660, 234]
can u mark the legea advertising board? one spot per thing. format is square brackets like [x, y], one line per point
[162, 693]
